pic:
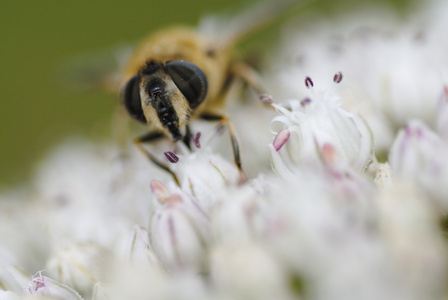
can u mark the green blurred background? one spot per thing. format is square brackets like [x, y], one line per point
[39, 39]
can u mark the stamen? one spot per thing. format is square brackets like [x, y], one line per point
[308, 82]
[173, 158]
[305, 102]
[280, 139]
[337, 77]
[265, 98]
[196, 140]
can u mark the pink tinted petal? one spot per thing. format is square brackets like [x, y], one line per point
[280, 139]
[328, 154]
[160, 191]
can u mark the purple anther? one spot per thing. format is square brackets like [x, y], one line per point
[280, 139]
[39, 283]
[337, 77]
[173, 158]
[305, 102]
[308, 82]
[265, 98]
[196, 140]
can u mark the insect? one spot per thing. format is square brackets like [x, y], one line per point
[178, 75]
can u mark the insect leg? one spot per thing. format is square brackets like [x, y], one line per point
[148, 138]
[235, 147]
[187, 138]
[249, 76]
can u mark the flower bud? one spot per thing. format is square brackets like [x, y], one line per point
[240, 216]
[140, 251]
[420, 156]
[203, 175]
[179, 229]
[45, 286]
[79, 265]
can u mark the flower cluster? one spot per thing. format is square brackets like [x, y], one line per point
[334, 220]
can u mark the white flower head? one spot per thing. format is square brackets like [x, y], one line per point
[420, 155]
[395, 68]
[318, 129]
[180, 230]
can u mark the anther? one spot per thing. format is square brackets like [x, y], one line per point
[337, 77]
[305, 102]
[196, 140]
[265, 98]
[173, 158]
[308, 82]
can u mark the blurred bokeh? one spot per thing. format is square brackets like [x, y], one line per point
[39, 39]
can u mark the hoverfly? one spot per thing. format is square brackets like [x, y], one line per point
[179, 74]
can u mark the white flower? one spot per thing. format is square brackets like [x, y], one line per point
[241, 216]
[79, 265]
[139, 251]
[44, 286]
[420, 156]
[180, 230]
[205, 176]
[200, 172]
[311, 126]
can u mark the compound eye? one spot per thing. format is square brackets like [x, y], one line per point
[130, 97]
[190, 80]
